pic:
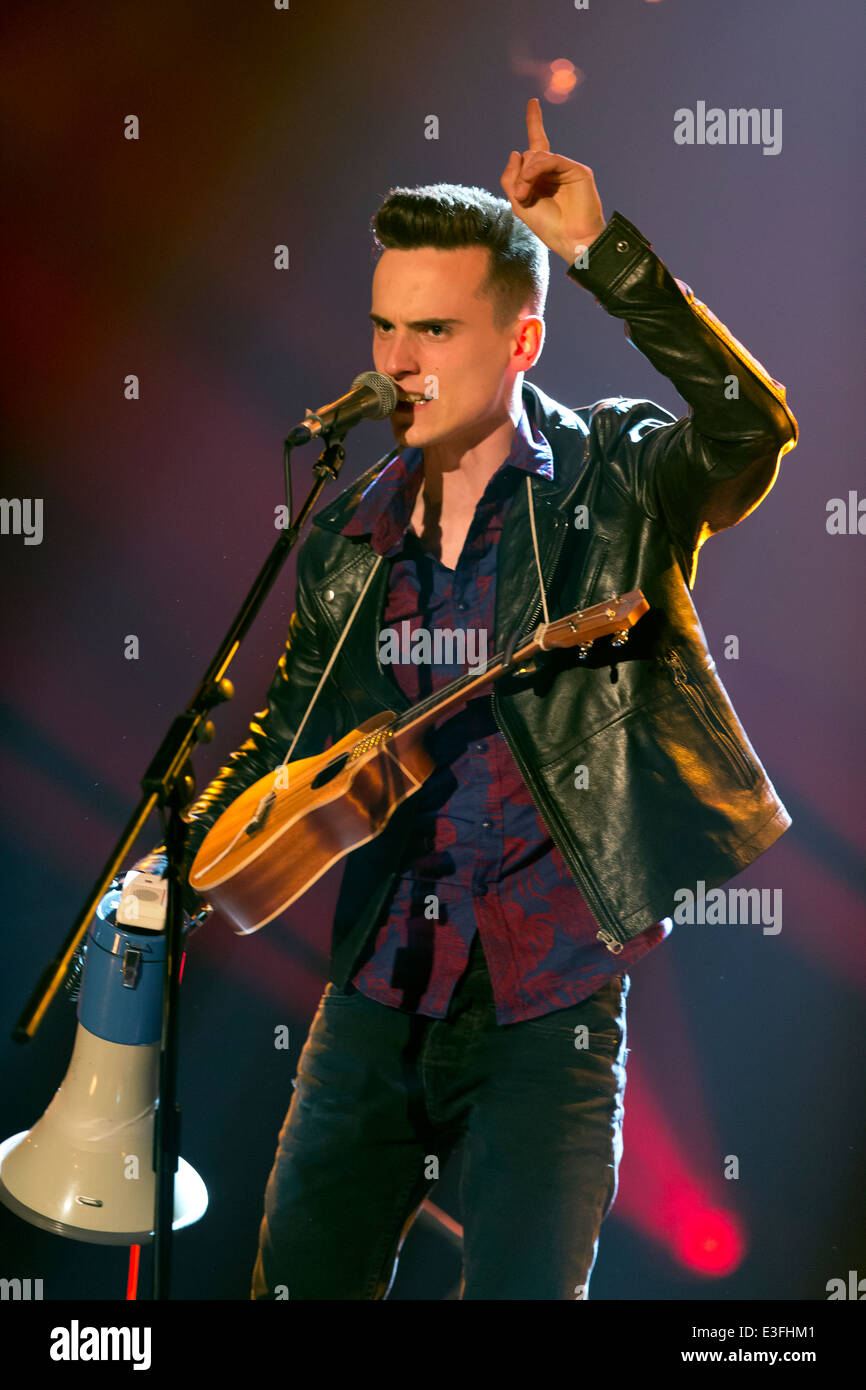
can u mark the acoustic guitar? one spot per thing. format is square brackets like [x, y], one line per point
[285, 831]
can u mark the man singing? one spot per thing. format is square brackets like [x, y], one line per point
[481, 943]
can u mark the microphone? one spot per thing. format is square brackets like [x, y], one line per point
[373, 396]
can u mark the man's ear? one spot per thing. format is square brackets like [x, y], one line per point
[530, 334]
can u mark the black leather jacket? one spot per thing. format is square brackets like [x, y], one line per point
[676, 792]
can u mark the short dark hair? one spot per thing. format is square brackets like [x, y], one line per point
[452, 215]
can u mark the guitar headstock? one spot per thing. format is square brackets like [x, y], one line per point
[617, 615]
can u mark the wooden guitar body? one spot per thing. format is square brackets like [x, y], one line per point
[286, 830]
[313, 812]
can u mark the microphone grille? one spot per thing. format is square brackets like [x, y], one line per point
[385, 390]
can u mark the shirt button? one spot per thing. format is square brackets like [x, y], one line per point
[329, 594]
[481, 748]
[461, 606]
[622, 246]
[486, 824]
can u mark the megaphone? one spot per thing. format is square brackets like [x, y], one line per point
[85, 1170]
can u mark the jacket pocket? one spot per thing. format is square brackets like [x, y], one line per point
[712, 722]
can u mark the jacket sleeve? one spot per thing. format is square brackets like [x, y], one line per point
[708, 470]
[271, 729]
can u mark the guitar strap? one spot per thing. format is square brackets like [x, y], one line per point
[263, 809]
[332, 658]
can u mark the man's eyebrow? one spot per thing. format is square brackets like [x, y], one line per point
[416, 323]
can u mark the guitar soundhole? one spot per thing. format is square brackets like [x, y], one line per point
[329, 771]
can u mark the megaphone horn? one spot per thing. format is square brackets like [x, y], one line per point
[85, 1170]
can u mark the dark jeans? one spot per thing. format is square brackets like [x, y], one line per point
[381, 1099]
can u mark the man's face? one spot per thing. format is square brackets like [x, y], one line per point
[433, 332]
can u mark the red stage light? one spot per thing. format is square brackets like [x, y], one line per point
[709, 1241]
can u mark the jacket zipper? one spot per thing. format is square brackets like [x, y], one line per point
[710, 720]
[589, 586]
[611, 941]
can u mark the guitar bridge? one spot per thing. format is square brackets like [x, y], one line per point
[263, 810]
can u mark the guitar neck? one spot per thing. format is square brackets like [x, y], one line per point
[613, 617]
[429, 709]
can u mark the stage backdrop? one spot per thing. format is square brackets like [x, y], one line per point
[155, 158]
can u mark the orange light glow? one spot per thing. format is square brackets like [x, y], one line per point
[562, 78]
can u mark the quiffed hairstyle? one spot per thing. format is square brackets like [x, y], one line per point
[452, 215]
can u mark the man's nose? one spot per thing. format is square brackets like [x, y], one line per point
[399, 358]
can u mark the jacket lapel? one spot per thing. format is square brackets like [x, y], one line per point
[518, 593]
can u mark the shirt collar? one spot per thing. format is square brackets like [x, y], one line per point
[386, 504]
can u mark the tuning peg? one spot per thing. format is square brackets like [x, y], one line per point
[583, 649]
[620, 638]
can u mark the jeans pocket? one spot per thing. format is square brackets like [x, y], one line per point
[333, 995]
[596, 1023]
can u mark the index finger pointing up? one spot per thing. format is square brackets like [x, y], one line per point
[535, 126]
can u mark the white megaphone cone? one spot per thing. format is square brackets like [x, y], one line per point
[85, 1170]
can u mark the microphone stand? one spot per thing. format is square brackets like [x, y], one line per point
[169, 782]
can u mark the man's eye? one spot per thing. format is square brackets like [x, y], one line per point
[437, 329]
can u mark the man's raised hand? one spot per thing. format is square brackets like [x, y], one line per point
[556, 197]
